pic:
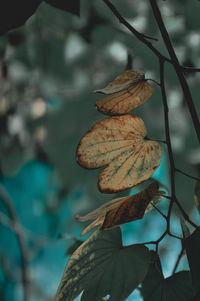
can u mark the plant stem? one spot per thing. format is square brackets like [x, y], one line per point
[178, 260]
[136, 33]
[20, 238]
[187, 175]
[177, 67]
[168, 141]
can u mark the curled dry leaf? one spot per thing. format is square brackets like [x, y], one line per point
[197, 195]
[119, 144]
[123, 210]
[128, 91]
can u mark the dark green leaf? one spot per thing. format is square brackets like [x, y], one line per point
[72, 6]
[15, 13]
[192, 246]
[157, 288]
[72, 248]
[101, 266]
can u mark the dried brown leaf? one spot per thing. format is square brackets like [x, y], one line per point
[123, 81]
[119, 144]
[128, 91]
[123, 210]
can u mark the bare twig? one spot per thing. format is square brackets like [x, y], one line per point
[136, 33]
[5, 198]
[168, 140]
[187, 175]
[173, 58]
[177, 67]
[178, 259]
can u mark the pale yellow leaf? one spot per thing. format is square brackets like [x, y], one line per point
[128, 91]
[119, 143]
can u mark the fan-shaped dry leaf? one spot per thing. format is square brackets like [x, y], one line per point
[119, 144]
[128, 91]
[123, 81]
[123, 210]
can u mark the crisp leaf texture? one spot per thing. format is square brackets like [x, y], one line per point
[101, 266]
[192, 246]
[123, 81]
[128, 91]
[119, 144]
[157, 288]
[123, 210]
[197, 195]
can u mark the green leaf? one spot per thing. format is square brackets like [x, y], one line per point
[72, 6]
[101, 266]
[197, 195]
[192, 246]
[157, 288]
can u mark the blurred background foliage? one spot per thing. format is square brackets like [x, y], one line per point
[48, 69]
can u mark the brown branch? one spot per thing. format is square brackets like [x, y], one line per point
[178, 260]
[5, 198]
[187, 175]
[178, 68]
[136, 33]
[173, 58]
[168, 141]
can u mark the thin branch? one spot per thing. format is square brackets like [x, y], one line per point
[20, 238]
[140, 36]
[187, 175]
[178, 260]
[177, 67]
[159, 211]
[185, 215]
[190, 69]
[174, 60]
[153, 80]
[168, 140]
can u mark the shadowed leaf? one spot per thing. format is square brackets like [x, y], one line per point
[73, 247]
[72, 6]
[119, 144]
[101, 266]
[128, 91]
[192, 246]
[197, 195]
[157, 288]
[123, 210]
[123, 81]
[14, 14]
